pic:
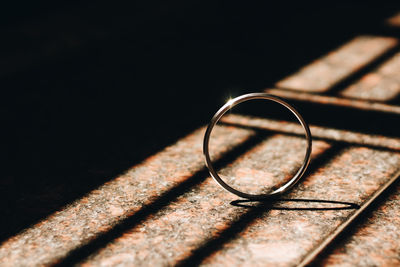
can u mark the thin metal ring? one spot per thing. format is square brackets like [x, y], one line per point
[230, 104]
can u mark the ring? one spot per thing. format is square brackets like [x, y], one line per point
[230, 104]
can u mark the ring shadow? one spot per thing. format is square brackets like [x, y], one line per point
[342, 205]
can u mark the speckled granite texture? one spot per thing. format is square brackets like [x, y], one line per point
[375, 242]
[383, 84]
[325, 72]
[275, 236]
[261, 169]
[350, 137]
[99, 211]
[284, 237]
[196, 217]
[369, 92]
[201, 225]
[336, 101]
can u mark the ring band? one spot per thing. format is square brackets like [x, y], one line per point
[218, 115]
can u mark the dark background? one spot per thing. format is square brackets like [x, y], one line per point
[92, 88]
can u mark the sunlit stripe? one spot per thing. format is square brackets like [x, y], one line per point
[380, 231]
[100, 210]
[336, 101]
[311, 257]
[327, 71]
[201, 214]
[288, 237]
[383, 84]
[317, 131]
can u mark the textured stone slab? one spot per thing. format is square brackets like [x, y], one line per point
[284, 237]
[350, 137]
[375, 242]
[201, 225]
[269, 165]
[383, 84]
[327, 71]
[102, 209]
[204, 213]
[336, 101]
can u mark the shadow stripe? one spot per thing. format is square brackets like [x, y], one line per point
[342, 142]
[79, 254]
[311, 257]
[239, 225]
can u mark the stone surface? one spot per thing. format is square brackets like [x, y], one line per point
[75, 225]
[322, 74]
[330, 134]
[281, 235]
[383, 84]
[337, 101]
[284, 237]
[375, 242]
[201, 224]
[198, 216]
